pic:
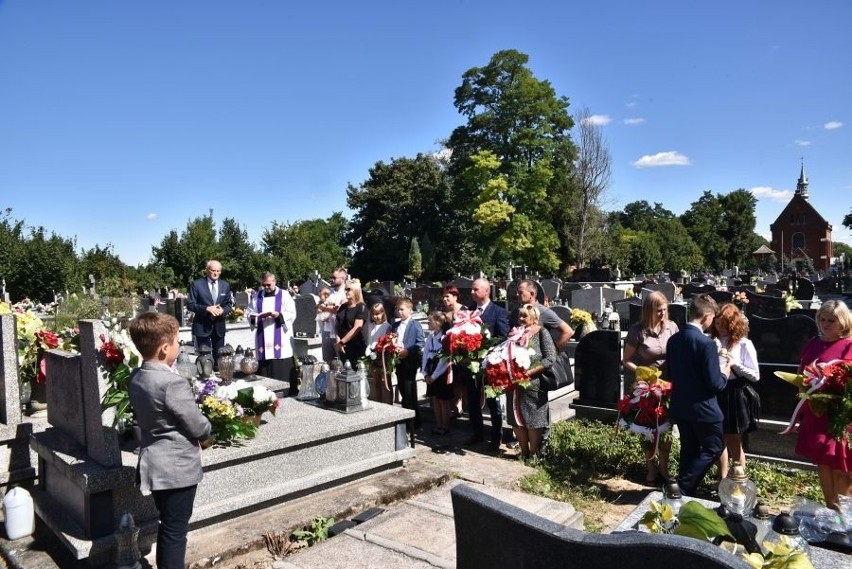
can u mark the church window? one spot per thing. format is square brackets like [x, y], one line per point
[798, 241]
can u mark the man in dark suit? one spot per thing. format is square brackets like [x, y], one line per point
[697, 377]
[210, 300]
[410, 335]
[497, 320]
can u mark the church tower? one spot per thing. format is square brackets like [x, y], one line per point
[802, 184]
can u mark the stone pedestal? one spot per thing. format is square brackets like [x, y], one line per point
[303, 449]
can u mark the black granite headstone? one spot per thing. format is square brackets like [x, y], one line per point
[804, 289]
[597, 368]
[678, 315]
[765, 306]
[305, 325]
[721, 296]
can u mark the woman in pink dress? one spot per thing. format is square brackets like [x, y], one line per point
[832, 457]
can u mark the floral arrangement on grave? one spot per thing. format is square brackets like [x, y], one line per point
[467, 342]
[785, 554]
[34, 340]
[236, 314]
[226, 417]
[645, 410]
[827, 387]
[790, 302]
[581, 319]
[740, 299]
[507, 363]
[254, 399]
[384, 353]
[118, 355]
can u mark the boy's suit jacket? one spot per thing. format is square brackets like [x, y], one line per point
[172, 424]
[413, 341]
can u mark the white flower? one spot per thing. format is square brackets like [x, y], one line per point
[262, 395]
[522, 356]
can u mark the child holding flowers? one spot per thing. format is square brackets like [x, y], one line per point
[172, 426]
[435, 372]
[380, 380]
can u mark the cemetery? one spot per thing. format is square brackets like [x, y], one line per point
[80, 468]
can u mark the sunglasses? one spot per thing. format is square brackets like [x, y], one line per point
[347, 289]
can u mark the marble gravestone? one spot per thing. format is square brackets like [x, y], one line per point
[16, 463]
[588, 299]
[667, 288]
[551, 289]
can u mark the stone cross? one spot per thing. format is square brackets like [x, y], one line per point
[10, 406]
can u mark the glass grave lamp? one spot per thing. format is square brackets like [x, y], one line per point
[736, 492]
[672, 496]
[204, 362]
[786, 525]
[226, 363]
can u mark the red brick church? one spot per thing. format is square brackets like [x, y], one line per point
[800, 231]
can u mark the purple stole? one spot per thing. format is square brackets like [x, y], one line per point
[260, 339]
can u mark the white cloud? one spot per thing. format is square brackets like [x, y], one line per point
[631, 104]
[597, 120]
[635, 121]
[771, 194]
[802, 142]
[832, 125]
[151, 216]
[671, 158]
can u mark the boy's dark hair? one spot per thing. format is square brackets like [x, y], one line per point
[403, 301]
[151, 330]
[701, 305]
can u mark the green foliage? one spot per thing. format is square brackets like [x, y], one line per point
[404, 198]
[316, 532]
[75, 308]
[580, 451]
[415, 260]
[295, 250]
[187, 254]
[118, 394]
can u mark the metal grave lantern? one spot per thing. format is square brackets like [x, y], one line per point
[307, 387]
[348, 397]
[204, 362]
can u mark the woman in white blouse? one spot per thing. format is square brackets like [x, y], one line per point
[739, 401]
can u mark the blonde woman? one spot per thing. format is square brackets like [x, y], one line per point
[528, 411]
[351, 317]
[646, 346]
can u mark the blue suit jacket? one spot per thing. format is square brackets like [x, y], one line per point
[693, 368]
[413, 340]
[496, 319]
[199, 298]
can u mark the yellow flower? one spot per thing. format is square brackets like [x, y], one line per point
[580, 316]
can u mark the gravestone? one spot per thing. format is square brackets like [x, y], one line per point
[567, 290]
[678, 315]
[592, 275]
[693, 289]
[550, 289]
[622, 308]
[765, 306]
[612, 295]
[588, 299]
[721, 296]
[180, 311]
[597, 369]
[306, 325]
[564, 313]
[667, 288]
[804, 289]
[779, 343]
[428, 294]
[389, 287]
[493, 534]
[772, 290]
[10, 409]
[464, 285]
[830, 285]
[241, 299]
[512, 294]
[634, 313]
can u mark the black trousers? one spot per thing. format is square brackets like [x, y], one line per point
[700, 447]
[406, 375]
[474, 410]
[215, 343]
[175, 507]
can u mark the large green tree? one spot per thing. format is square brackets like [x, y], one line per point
[522, 121]
[738, 227]
[296, 250]
[704, 220]
[401, 200]
[187, 254]
[240, 264]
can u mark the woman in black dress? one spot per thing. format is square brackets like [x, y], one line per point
[730, 329]
[351, 345]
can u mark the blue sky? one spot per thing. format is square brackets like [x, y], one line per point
[120, 121]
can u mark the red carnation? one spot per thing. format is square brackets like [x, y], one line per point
[47, 338]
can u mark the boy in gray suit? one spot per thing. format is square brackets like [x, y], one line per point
[172, 426]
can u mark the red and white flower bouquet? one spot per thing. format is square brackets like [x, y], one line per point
[507, 364]
[466, 343]
[827, 387]
[645, 410]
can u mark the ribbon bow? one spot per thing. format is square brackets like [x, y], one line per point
[464, 317]
[519, 335]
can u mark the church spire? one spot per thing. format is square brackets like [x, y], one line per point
[802, 184]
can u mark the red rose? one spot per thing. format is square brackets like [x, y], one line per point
[47, 338]
[624, 405]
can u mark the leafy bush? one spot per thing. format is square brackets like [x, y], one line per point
[579, 452]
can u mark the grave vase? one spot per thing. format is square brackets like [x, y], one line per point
[26, 393]
[38, 401]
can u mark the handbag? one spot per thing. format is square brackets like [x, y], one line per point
[559, 375]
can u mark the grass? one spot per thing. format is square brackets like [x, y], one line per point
[581, 455]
